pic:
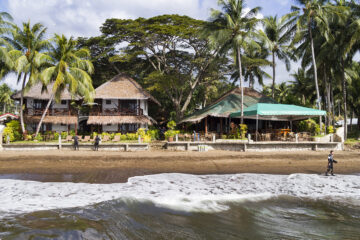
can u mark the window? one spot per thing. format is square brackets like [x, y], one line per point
[63, 102]
[108, 102]
[37, 104]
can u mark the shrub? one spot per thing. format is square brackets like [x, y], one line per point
[56, 135]
[154, 134]
[171, 133]
[38, 138]
[64, 135]
[8, 132]
[112, 135]
[93, 134]
[28, 137]
[123, 137]
[171, 125]
[105, 134]
[243, 130]
[72, 132]
[330, 130]
[141, 132]
[147, 138]
[131, 136]
[323, 129]
[308, 125]
[223, 136]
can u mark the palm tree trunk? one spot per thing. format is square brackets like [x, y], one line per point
[241, 86]
[273, 84]
[4, 108]
[21, 105]
[344, 96]
[318, 100]
[44, 114]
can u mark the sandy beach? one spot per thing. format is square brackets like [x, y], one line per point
[105, 167]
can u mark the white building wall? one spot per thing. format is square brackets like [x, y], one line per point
[110, 128]
[144, 106]
[113, 104]
[59, 128]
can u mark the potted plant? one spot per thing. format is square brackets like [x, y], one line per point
[170, 134]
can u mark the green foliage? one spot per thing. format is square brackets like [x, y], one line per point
[154, 134]
[171, 133]
[56, 136]
[72, 132]
[171, 125]
[64, 135]
[309, 125]
[123, 137]
[93, 134]
[330, 129]
[141, 132]
[13, 130]
[131, 136]
[38, 138]
[243, 130]
[28, 137]
[223, 136]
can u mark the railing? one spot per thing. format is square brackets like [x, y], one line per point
[50, 112]
[116, 112]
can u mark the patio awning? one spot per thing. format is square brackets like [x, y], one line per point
[278, 112]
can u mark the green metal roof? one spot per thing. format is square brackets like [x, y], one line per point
[228, 103]
[278, 112]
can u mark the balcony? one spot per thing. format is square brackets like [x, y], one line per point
[51, 112]
[116, 112]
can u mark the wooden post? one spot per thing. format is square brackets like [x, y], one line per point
[221, 126]
[206, 125]
[76, 128]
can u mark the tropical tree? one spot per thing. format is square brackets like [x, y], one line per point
[28, 42]
[5, 62]
[276, 36]
[70, 70]
[5, 97]
[312, 16]
[231, 28]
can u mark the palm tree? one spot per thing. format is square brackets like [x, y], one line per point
[5, 96]
[28, 43]
[314, 16]
[276, 35]
[231, 28]
[302, 86]
[70, 70]
[5, 61]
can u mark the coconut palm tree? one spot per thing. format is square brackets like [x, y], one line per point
[5, 62]
[5, 96]
[276, 36]
[231, 28]
[28, 42]
[70, 70]
[312, 16]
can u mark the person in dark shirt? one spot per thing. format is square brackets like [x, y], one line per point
[96, 143]
[76, 142]
[330, 167]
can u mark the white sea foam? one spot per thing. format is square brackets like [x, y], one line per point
[177, 191]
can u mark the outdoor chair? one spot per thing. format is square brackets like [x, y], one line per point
[68, 138]
[86, 139]
[80, 138]
[106, 138]
[116, 138]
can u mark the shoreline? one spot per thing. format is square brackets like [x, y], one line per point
[109, 167]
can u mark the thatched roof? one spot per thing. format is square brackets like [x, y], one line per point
[97, 120]
[228, 103]
[52, 119]
[122, 87]
[37, 92]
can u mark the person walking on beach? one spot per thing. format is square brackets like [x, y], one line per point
[330, 167]
[76, 142]
[96, 143]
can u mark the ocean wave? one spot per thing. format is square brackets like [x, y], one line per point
[185, 192]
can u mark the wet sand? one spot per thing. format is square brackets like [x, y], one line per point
[107, 167]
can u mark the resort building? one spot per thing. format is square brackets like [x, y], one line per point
[120, 105]
[60, 116]
[215, 117]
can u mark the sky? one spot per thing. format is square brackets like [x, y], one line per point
[84, 17]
